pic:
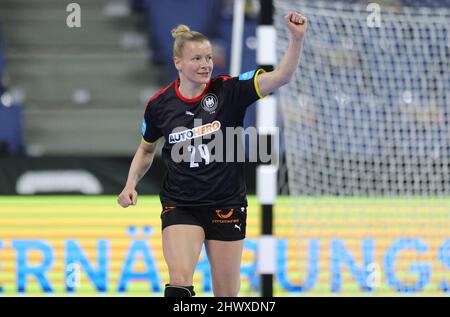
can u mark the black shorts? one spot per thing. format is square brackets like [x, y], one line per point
[224, 224]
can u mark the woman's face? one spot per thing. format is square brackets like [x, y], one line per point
[196, 62]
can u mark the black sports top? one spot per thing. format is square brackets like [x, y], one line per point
[190, 128]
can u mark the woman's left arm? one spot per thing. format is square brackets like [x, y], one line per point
[282, 74]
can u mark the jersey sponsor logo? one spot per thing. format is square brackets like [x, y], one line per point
[247, 75]
[143, 127]
[196, 132]
[221, 215]
[210, 103]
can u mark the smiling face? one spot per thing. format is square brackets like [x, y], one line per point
[195, 63]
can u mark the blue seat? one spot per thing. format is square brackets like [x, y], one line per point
[138, 5]
[2, 61]
[11, 128]
[10, 117]
[427, 3]
[163, 16]
[248, 55]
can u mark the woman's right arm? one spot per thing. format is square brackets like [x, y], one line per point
[141, 163]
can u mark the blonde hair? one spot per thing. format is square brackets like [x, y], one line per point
[183, 34]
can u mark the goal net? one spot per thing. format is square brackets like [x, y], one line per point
[367, 149]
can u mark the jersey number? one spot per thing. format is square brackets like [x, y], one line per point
[204, 153]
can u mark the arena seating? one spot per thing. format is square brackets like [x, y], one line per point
[10, 116]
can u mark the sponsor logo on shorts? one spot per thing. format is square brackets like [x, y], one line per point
[220, 213]
[224, 215]
[225, 221]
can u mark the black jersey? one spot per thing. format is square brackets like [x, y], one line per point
[191, 125]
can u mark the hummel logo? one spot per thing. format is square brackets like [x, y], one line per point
[238, 227]
[189, 113]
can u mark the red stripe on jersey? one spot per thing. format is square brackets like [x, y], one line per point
[160, 92]
[198, 98]
[224, 77]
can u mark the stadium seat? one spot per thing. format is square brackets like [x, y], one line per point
[11, 129]
[427, 3]
[10, 116]
[2, 62]
[163, 16]
[248, 54]
[138, 5]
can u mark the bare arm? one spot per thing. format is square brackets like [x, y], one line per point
[283, 73]
[141, 163]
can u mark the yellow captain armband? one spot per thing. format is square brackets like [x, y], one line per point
[149, 143]
[255, 80]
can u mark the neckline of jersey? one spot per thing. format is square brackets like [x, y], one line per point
[195, 99]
